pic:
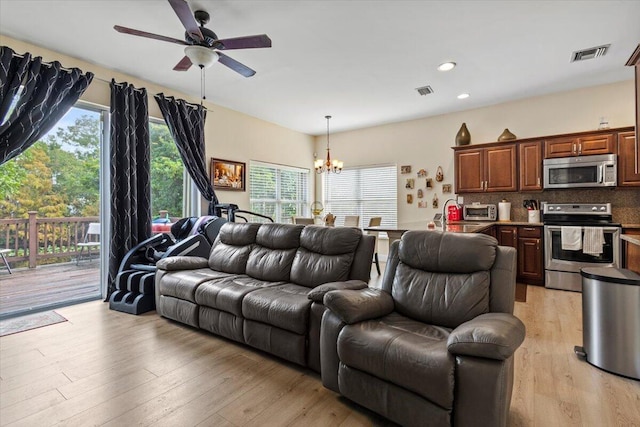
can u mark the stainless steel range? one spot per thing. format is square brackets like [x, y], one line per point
[578, 235]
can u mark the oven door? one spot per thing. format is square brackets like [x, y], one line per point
[572, 261]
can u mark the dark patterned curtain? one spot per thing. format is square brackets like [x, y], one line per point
[186, 124]
[130, 173]
[33, 98]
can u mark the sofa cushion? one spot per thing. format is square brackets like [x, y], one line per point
[182, 284]
[272, 256]
[443, 299]
[447, 252]
[232, 247]
[397, 349]
[325, 255]
[285, 306]
[226, 294]
[330, 240]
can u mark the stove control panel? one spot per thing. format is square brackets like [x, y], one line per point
[577, 208]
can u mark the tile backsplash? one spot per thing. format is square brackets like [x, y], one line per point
[625, 202]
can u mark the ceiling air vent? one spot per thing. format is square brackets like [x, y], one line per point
[593, 52]
[424, 90]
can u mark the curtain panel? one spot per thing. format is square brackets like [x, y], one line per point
[186, 124]
[130, 174]
[34, 96]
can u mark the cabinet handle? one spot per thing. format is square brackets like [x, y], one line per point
[573, 148]
[580, 148]
[538, 181]
[529, 228]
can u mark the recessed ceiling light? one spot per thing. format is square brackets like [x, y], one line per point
[446, 66]
[463, 96]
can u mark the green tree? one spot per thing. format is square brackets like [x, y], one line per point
[166, 171]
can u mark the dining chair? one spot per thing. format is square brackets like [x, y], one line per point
[303, 220]
[374, 222]
[352, 221]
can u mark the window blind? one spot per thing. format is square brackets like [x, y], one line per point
[278, 191]
[367, 191]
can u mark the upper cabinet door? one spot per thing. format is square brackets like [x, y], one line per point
[500, 168]
[530, 166]
[469, 171]
[596, 144]
[627, 159]
[560, 147]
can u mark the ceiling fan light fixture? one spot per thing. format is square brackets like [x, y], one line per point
[201, 56]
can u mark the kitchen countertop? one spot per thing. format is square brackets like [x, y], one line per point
[631, 238]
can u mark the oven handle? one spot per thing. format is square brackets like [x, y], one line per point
[605, 228]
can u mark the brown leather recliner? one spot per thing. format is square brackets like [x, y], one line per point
[435, 345]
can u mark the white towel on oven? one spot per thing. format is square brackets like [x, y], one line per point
[593, 240]
[571, 238]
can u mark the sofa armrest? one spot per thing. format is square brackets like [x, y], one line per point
[182, 263]
[317, 294]
[490, 335]
[353, 306]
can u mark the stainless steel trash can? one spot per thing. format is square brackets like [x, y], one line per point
[611, 319]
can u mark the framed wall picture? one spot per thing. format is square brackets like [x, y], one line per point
[228, 175]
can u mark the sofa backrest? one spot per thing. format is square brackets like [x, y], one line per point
[272, 255]
[305, 255]
[326, 254]
[230, 252]
[442, 278]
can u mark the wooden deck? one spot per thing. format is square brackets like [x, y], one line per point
[48, 286]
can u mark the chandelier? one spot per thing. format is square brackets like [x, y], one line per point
[328, 165]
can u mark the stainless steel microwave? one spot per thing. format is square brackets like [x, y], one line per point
[480, 212]
[581, 171]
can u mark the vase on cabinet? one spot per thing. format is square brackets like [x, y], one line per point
[463, 137]
[507, 135]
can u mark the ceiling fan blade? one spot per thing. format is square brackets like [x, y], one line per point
[181, 8]
[184, 64]
[133, 32]
[235, 65]
[247, 42]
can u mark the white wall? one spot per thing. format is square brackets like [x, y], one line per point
[229, 134]
[426, 143]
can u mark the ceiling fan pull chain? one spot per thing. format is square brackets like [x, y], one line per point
[202, 86]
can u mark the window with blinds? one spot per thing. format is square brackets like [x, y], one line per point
[278, 191]
[367, 191]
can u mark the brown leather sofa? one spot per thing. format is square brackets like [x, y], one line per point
[435, 345]
[263, 284]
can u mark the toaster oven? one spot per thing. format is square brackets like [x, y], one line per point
[480, 212]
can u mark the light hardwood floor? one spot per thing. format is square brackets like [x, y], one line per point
[103, 367]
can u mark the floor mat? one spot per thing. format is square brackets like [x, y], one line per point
[30, 321]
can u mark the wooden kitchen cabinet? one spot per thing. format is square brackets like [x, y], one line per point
[628, 171]
[631, 251]
[530, 166]
[582, 145]
[489, 169]
[530, 255]
[634, 61]
[528, 242]
[507, 235]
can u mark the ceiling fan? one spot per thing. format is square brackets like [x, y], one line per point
[203, 46]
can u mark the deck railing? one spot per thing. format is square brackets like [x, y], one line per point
[36, 239]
